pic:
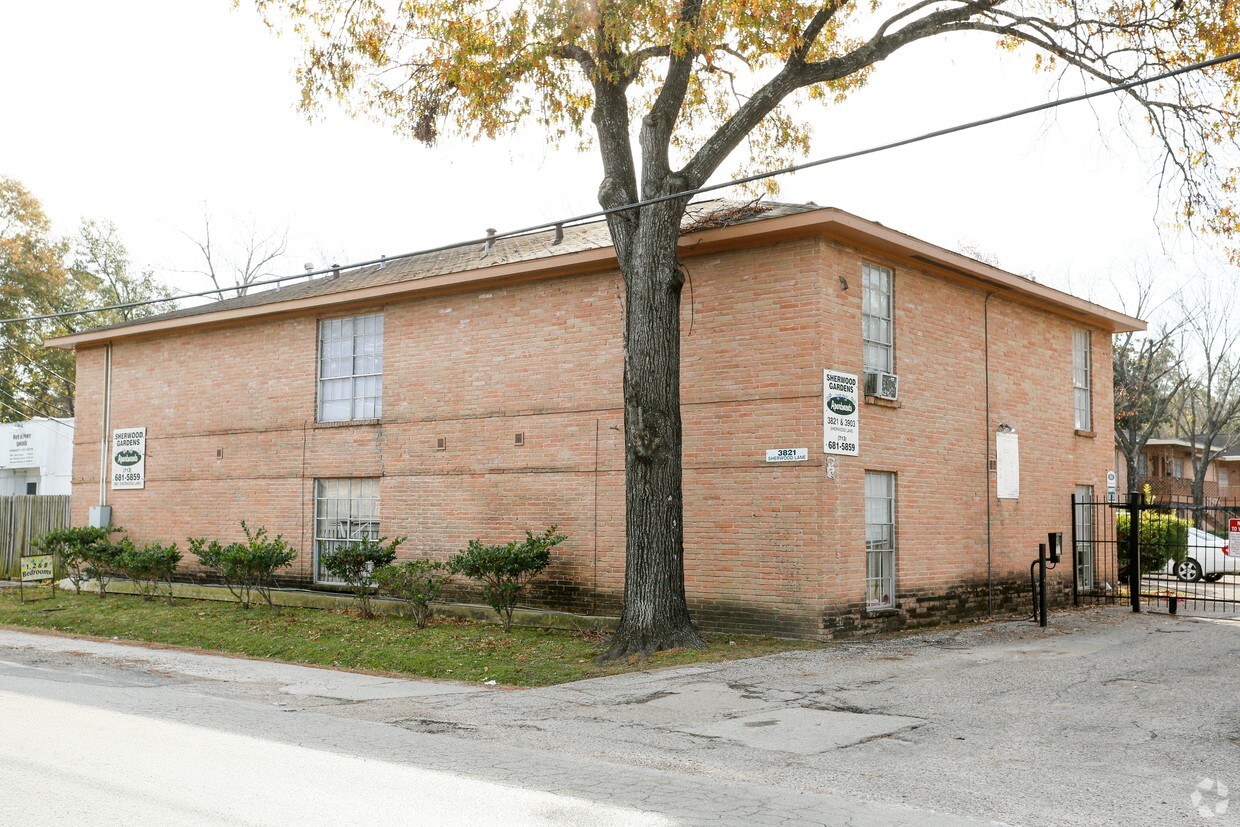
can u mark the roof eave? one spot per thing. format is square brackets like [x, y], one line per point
[829, 221]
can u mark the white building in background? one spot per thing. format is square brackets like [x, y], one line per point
[36, 456]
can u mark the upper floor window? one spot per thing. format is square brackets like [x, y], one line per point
[876, 318]
[351, 368]
[1081, 379]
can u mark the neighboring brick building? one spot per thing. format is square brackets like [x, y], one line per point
[498, 409]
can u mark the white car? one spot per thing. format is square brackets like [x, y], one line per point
[1208, 557]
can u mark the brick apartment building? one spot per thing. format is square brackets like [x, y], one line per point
[476, 392]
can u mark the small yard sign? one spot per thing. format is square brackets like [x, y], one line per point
[840, 433]
[128, 458]
[37, 567]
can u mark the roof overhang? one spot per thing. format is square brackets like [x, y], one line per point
[829, 222]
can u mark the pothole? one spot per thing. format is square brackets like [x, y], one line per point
[432, 727]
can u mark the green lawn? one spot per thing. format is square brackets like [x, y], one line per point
[452, 649]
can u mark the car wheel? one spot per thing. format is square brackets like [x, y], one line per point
[1214, 578]
[1188, 570]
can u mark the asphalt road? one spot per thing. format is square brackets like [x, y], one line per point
[131, 769]
[1103, 718]
[98, 733]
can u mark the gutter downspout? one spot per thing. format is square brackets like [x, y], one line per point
[105, 439]
[990, 580]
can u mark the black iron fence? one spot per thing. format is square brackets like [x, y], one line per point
[1179, 557]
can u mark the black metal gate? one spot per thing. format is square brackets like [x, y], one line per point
[1182, 554]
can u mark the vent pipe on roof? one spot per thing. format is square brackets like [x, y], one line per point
[489, 243]
[382, 260]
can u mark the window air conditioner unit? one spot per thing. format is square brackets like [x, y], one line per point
[883, 385]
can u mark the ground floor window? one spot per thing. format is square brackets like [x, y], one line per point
[345, 511]
[1083, 529]
[880, 539]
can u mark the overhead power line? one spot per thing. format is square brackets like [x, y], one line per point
[10, 393]
[37, 365]
[748, 179]
[32, 411]
[36, 419]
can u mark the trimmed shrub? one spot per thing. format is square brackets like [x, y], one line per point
[246, 568]
[103, 562]
[504, 570]
[416, 582]
[149, 567]
[72, 549]
[1162, 538]
[355, 564]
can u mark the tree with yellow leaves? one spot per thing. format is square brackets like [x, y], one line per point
[673, 89]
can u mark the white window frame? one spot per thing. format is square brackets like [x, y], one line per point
[1083, 527]
[1082, 397]
[880, 540]
[878, 318]
[346, 509]
[350, 368]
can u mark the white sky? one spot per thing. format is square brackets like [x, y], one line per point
[143, 110]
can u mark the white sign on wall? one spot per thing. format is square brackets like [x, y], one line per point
[1007, 466]
[19, 447]
[787, 454]
[128, 458]
[840, 432]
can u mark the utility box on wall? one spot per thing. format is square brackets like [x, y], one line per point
[100, 516]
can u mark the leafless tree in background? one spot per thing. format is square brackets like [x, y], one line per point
[241, 257]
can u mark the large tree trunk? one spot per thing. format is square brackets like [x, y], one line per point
[1133, 469]
[1199, 483]
[655, 615]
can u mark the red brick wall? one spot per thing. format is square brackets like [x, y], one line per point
[776, 548]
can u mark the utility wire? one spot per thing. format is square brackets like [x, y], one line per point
[37, 365]
[31, 405]
[561, 223]
[49, 407]
[26, 417]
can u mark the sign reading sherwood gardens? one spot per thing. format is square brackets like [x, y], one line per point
[129, 458]
[839, 414]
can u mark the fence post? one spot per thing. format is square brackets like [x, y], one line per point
[1136, 499]
[1042, 585]
[1076, 564]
